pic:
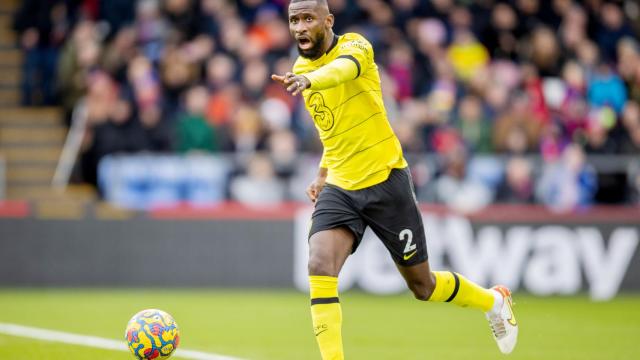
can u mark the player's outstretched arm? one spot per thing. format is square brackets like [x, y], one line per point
[344, 68]
[330, 75]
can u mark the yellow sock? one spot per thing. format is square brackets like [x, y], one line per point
[455, 288]
[327, 316]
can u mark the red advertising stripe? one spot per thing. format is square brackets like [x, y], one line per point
[509, 213]
[226, 211]
[494, 213]
[14, 209]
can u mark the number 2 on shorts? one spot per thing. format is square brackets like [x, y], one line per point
[407, 235]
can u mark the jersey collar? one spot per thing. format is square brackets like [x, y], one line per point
[333, 43]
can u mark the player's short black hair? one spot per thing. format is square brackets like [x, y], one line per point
[319, 2]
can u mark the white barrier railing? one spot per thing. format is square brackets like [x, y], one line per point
[71, 148]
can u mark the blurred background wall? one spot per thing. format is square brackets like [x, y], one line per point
[526, 248]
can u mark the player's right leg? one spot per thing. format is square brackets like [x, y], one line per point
[328, 251]
[336, 231]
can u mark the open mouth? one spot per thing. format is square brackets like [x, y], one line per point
[305, 43]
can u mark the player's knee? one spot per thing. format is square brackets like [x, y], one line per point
[320, 267]
[422, 288]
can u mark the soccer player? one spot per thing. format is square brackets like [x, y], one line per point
[364, 180]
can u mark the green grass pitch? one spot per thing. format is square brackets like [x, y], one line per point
[276, 325]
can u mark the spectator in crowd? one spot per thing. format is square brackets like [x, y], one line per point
[440, 104]
[573, 112]
[254, 80]
[220, 71]
[78, 59]
[599, 140]
[630, 138]
[177, 74]
[43, 27]
[194, 133]
[259, 186]
[573, 29]
[517, 131]
[119, 53]
[474, 125]
[457, 190]
[534, 88]
[607, 89]
[116, 13]
[613, 27]
[111, 126]
[628, 65]
[151, 29]
[400, 65]
[588, 56]
[501, 34]
[144, 86]
[545, 51]
[569, 183]
[282, 152]
[405, 131]
[517, 186]
[467, 55]
[183, 18]
[248, 132]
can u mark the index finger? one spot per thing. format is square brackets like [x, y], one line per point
[279, 78]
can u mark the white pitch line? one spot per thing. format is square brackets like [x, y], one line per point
[94, 341]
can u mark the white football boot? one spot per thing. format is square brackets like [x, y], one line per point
[503, 322]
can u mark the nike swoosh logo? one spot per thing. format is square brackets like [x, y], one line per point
[409, 256]
[512, 319]
[320, 332]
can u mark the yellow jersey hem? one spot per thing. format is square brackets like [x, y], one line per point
[368, 182]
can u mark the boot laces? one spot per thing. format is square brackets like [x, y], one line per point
[497, 327]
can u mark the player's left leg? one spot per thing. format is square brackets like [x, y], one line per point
[394, 216]
[446, 286]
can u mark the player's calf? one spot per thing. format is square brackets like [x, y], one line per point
[419, 279]
[422, 288]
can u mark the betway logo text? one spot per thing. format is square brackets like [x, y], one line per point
[543, 259]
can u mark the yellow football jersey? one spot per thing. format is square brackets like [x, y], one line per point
[345, 102]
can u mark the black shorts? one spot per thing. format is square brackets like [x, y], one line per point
[390, 209]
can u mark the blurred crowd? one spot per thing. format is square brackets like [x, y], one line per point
[555, 80]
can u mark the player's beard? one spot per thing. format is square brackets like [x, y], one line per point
[316, 51]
